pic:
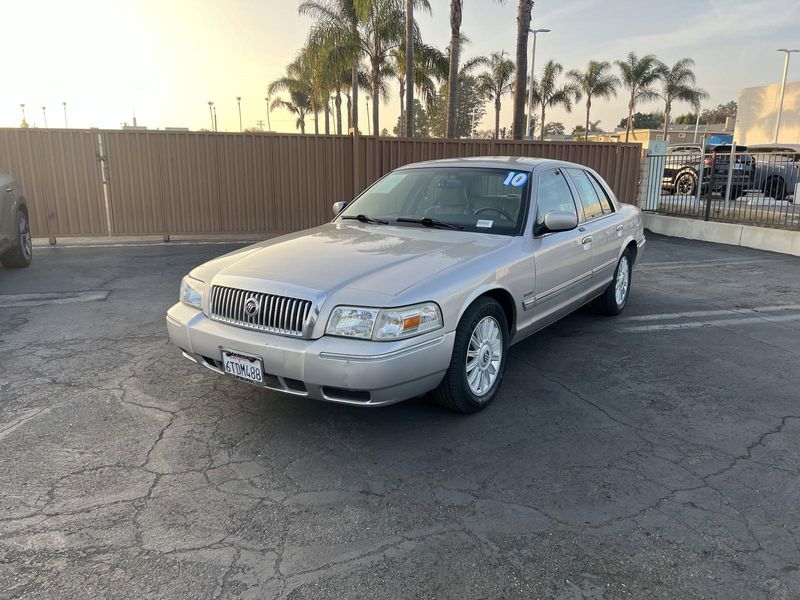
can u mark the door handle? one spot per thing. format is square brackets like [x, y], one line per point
[9, 189]
[587, 240]
[620, 227]
[620, 230]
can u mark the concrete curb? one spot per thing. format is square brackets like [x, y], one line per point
[748, 236]
[140, 240]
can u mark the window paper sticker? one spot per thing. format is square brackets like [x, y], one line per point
[484, 223]
[515, 179]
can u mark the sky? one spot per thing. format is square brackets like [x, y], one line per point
[163, 60]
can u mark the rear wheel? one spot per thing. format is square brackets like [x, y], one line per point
[479, 359]
[686, 183]
[775, 187]
[614, 299]
[21, 254]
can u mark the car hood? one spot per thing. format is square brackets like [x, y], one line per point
[380, 259]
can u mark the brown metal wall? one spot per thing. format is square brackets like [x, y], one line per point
[60, 177]
[163, 182]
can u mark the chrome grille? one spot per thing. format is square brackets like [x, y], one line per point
[275, 314]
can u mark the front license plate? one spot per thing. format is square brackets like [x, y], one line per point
[243, 366]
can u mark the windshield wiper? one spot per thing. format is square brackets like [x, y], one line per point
[365, 219]
[428, 222]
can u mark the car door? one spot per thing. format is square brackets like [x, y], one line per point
[562, 259]
[603, 226]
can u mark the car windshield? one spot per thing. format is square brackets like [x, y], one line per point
[472, 199]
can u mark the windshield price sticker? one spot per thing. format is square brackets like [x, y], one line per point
[515, 179]
[484, 223]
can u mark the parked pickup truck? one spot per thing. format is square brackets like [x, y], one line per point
[682, 169]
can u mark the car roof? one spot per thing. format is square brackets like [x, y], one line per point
[488, 162]
[790, 147]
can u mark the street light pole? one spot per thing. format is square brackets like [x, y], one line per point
[64, 104]
[787, 52]
[211, 113]
[22, 106]
[216, 126]
[239, 105]
[269, 126]
[529, 127]
[44, 114]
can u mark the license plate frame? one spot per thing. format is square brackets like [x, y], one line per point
[250, 367]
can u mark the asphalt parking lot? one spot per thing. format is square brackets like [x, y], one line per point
[652, 455]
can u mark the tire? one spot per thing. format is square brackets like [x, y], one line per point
[775, 187]
[21, 254]
[610, 303]
[483, 334]
[686, 183]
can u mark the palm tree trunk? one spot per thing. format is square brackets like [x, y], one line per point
[354, 106]
[402, 128]
[588, 108]
[316, 122]
[497, 116]
[349, 113]
[375, 103]
[328, 117]
[667, 110]
[338, 102]
[409, 124]
[524, 9]
[456, 7]
[303, 124]
[630, 119]
[541, 124]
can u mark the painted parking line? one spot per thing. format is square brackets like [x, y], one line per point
[694, 314]
[714, 323]
[666, 266]
[42, 299]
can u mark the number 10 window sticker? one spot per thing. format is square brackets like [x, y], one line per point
[515, 179]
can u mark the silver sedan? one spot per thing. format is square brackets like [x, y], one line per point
[421, 284]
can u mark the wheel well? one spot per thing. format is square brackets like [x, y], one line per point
[634, 249]
[506, 302]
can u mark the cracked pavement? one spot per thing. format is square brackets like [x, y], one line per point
[658, 464]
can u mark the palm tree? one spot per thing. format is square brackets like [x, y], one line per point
[497, 81]
[430, 66]
[547, 93]
[299, 101]
[361, 29]
[638, 77]
[677, 83]
[597, 82]
[456, 14]
[524, 9]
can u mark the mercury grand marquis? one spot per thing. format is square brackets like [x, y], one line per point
[421, 284]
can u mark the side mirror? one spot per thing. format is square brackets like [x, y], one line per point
[560, 220]
[339, 207]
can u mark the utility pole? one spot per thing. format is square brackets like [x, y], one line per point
[214, 108]
[64, 104]
[783, 89]
[368, 132]
[44, 114]
[22, 106]
[269, 126]
[239, 104]
[211, 113]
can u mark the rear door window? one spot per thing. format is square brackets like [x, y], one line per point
[605, 201]
[592, 207]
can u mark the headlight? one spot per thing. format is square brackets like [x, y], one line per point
[192, 291]
[384, 324]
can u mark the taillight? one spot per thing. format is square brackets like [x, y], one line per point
[708, 162]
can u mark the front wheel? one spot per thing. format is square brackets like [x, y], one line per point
[21, 254]
[479, 359]
[614, 299]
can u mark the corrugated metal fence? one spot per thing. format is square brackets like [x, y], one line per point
[161, 182]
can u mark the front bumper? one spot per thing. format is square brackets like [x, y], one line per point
[349, 371]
